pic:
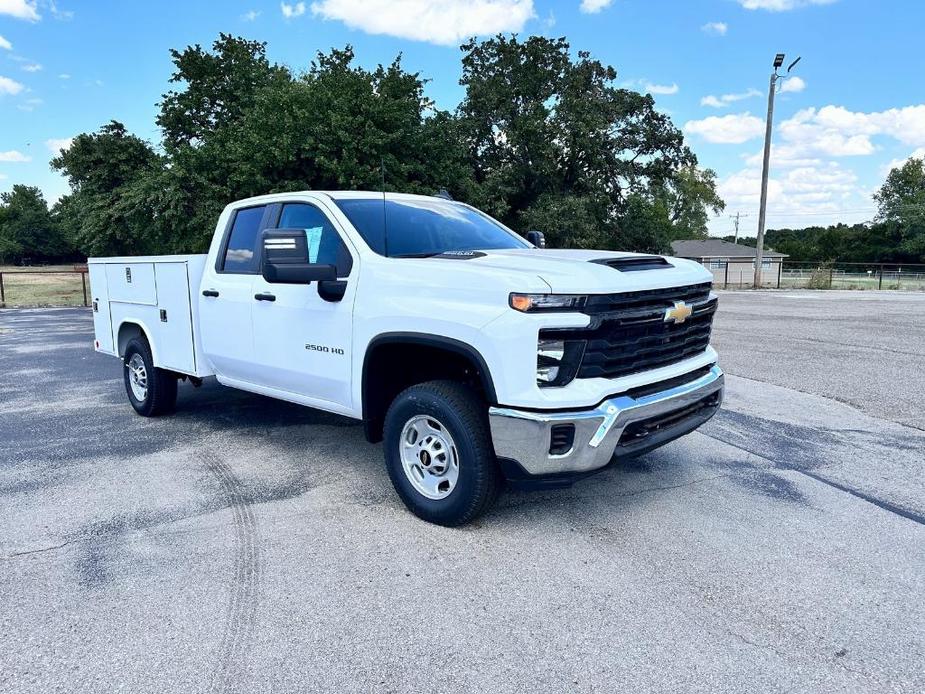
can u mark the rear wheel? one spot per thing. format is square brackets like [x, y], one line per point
[439, 454]
[152, 391]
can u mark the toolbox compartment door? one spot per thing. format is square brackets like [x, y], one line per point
[132, 283]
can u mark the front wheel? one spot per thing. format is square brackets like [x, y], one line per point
[152, 391]
[438, 452]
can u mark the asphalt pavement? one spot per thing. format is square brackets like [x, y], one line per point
[249, 545]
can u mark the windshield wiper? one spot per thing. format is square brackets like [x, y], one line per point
[430, 254]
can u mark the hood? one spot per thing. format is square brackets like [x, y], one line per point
[585, 272]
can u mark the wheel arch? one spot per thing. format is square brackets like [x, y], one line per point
[379, 385]
[130, 328]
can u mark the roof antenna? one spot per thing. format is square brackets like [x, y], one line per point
[385, 228]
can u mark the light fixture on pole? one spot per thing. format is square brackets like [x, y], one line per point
[759, 246]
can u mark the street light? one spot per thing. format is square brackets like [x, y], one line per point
[759, 246]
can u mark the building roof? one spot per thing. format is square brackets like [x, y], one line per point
[717, 248]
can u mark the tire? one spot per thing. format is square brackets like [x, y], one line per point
[159, 394]
[456, 419]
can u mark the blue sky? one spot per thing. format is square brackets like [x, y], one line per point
[855, 106]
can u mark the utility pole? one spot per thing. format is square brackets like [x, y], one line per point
[735, 217]
[766, 163]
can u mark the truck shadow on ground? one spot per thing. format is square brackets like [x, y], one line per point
[223, 409]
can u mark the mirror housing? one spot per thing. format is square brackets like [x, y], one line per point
[285, 259]
[536, 238]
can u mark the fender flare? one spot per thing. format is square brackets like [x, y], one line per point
[439, 341]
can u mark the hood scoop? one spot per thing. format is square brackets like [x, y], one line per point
[635, 263]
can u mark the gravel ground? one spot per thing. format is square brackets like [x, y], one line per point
[246, 544]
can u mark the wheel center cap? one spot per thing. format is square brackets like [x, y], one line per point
[425, 458]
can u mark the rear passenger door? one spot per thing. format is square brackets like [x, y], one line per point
[228, 297]
[302, 343]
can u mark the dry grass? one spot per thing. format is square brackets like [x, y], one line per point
[47, 285]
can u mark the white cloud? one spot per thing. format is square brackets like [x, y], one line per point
[836, 131]
[780, 5]
[64, 76]
[32, 67]
[251, 15]
[444, 22]
[715, 28]
[732, 129]
[783, 157]
[21, 9]
[594, 6]
[726, 99]
[14, 156]
[793, 85]
[896, 163]
[8, 86]
[295, 10]
[812, 194]
[661, 88]
[29, 104]
[61, 15]
[6, 45]
[56, 144]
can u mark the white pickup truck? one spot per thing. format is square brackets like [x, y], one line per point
[477, 356]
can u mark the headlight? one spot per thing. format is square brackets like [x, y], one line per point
[557, 361]
[531, 303]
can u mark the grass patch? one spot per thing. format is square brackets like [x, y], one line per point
[48, 285]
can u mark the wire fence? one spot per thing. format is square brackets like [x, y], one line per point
[828, 275]
[69, 286]
[44, 286]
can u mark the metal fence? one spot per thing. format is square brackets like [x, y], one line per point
[833, 275]
[44, 287]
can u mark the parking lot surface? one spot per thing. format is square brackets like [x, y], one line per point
[249, 545]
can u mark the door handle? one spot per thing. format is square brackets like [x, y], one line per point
[209, 292]
[265, 297]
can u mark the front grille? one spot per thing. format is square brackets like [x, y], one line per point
[628, 333]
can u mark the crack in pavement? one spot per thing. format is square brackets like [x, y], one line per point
[28, 552]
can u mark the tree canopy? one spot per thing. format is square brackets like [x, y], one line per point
[27, 229]
[543, 138]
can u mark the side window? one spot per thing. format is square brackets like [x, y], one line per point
[240, 253]
[325, 245]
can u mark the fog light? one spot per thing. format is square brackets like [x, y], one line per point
[557, 361]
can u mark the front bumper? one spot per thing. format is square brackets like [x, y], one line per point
[622, 426]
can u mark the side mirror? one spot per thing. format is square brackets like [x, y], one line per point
[285, 259]
[536, 238]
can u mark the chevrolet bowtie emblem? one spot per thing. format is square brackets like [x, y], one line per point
[678, 313]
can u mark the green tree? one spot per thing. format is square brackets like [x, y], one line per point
[688, 197]
[551, 135]
[219, 88]
[27, 229]
[338, 126]
[901, 206]
[108, 211]
[541, 140]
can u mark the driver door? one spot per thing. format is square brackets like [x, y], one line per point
[302, 342]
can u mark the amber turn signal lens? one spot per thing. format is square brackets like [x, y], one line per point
[521, 302]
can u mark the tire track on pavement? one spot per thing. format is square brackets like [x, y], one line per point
[241, 612]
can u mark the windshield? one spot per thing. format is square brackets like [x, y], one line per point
[422, 227]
